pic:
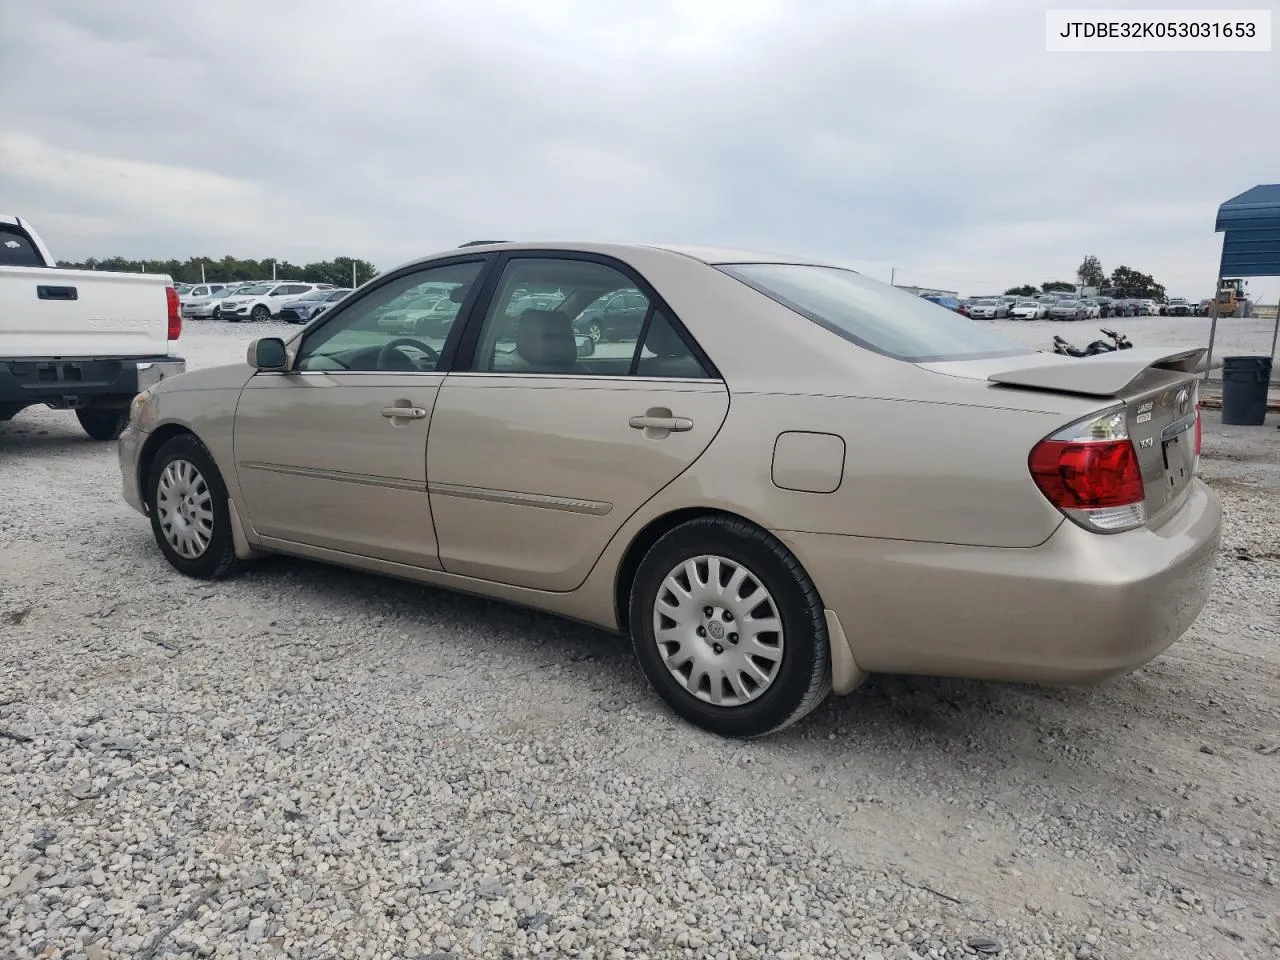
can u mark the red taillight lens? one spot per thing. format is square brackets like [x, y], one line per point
[1087, 475]
[1089, 470]
[175, 313]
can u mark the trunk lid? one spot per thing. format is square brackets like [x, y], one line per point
[46, 312]
[1156, 386]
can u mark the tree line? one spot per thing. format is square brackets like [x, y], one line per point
[230, 269]
[1122, 282]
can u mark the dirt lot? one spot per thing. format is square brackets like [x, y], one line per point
[308, 762]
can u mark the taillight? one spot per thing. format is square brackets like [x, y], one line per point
[175, 313]
[1090, 472]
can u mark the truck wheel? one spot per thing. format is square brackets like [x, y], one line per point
[187, 500]
[260, 314]
[103, 424]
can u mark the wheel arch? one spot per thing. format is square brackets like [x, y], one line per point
[151, 447]
[650, 534]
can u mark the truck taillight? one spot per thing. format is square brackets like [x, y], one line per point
[1089, 470]
[175, 313]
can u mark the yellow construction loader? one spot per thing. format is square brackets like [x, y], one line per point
[1232, 301]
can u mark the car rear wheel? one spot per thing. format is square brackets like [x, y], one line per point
[260, 314]
[187, 500]
[105, 424]
[595, 331]
[729, 629]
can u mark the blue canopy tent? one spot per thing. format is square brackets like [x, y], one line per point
[1250, 224]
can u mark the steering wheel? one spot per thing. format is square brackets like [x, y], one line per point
[390, 347]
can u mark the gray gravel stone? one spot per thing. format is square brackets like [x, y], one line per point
[330, 765]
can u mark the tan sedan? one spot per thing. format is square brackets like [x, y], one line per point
[789, 476]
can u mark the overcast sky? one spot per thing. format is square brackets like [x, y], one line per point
[936, 137]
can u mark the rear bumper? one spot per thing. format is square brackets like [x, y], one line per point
[71, 382]
[1079, 608]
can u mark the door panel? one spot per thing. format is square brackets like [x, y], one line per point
[319, 462]
[530, 476]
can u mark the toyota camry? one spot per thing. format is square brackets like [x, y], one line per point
[786, 477]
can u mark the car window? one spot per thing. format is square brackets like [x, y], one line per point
[546, 317]
[666, 353]
[361, 337]
[874, 315]
[16, 249]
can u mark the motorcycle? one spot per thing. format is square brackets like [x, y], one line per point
[1117, 341]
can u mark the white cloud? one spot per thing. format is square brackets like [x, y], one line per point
[935, 136]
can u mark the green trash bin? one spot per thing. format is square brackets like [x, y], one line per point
[1245, 381]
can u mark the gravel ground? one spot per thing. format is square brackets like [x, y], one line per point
[308, 762]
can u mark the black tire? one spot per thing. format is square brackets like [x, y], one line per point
[219, 556]
[803, 677]
[595, 331]
[103, 424]
[260, 314]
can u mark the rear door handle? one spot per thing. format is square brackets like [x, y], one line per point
[404, 413]
[666, 424]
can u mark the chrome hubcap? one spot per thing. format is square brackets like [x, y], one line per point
[184, 507]
[718, 631]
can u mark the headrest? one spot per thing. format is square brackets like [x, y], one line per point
[662, 340]
[545, 338]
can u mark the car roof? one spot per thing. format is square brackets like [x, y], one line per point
[713, 255]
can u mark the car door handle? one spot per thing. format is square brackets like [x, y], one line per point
[404, 413]
[669, 424]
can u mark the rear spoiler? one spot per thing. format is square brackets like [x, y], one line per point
[1103, 375]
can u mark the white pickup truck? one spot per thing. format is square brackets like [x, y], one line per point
[82, 340]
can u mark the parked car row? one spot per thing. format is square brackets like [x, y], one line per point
[1055, 306]
[287, 300]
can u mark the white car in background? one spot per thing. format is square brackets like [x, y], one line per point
[201, 291]
[207, 308]
[1029, 310]
[262, 301]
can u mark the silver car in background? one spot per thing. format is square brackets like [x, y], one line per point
[1068, 310]
[988, 308]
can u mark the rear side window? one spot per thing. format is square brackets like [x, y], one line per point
[16, 249]
[874, 315]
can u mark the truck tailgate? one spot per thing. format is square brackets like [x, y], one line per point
[82, 313]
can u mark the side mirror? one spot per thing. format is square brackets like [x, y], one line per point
[586, 346]
[268, 353]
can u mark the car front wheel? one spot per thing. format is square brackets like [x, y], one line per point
[729, 629]
[260, 314]
[187, 500]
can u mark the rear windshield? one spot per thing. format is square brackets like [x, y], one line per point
[874, 315]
